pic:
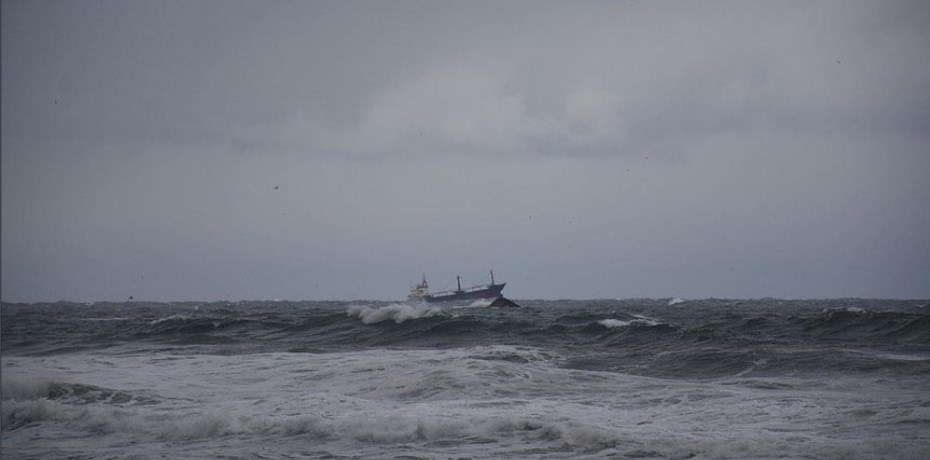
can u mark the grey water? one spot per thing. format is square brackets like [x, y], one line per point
[625, 378]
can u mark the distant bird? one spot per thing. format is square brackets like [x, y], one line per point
[275, 187]
[130, 297]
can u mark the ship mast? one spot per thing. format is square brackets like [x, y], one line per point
[492, 277]
[459, 282]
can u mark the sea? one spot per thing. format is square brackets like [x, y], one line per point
[611, 378]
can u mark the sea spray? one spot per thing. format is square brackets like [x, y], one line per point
[398, 312]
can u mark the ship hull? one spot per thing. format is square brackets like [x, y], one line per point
[489, 292]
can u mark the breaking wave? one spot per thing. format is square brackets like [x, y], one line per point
[378, 430]
[398, 312]
[637, 320]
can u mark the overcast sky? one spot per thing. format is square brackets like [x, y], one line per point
[205, 150]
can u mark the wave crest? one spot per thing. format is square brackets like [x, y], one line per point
[638, 320]
[399, 312]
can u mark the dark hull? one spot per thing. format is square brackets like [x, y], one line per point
[503, 302]
[489, 292]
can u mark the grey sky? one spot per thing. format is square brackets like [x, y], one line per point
[581, 149]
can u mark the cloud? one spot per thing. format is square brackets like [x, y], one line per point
[625, 80]
[459, 106]
[589, 79]
[464, 108]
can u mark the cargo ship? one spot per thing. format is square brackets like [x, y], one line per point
[420, 292]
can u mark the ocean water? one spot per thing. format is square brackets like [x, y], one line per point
[636, 378]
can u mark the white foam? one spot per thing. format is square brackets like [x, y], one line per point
[612, 323]
[640, 320]
[676, 301]
[166, 319]
[482, 303]
[648, 320]
[480, 402]
[398, 312]
[21, 413]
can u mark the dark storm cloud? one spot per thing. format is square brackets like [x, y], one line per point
[375, 78]
[585, 149]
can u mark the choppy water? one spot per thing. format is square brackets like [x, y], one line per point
[640, 378]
